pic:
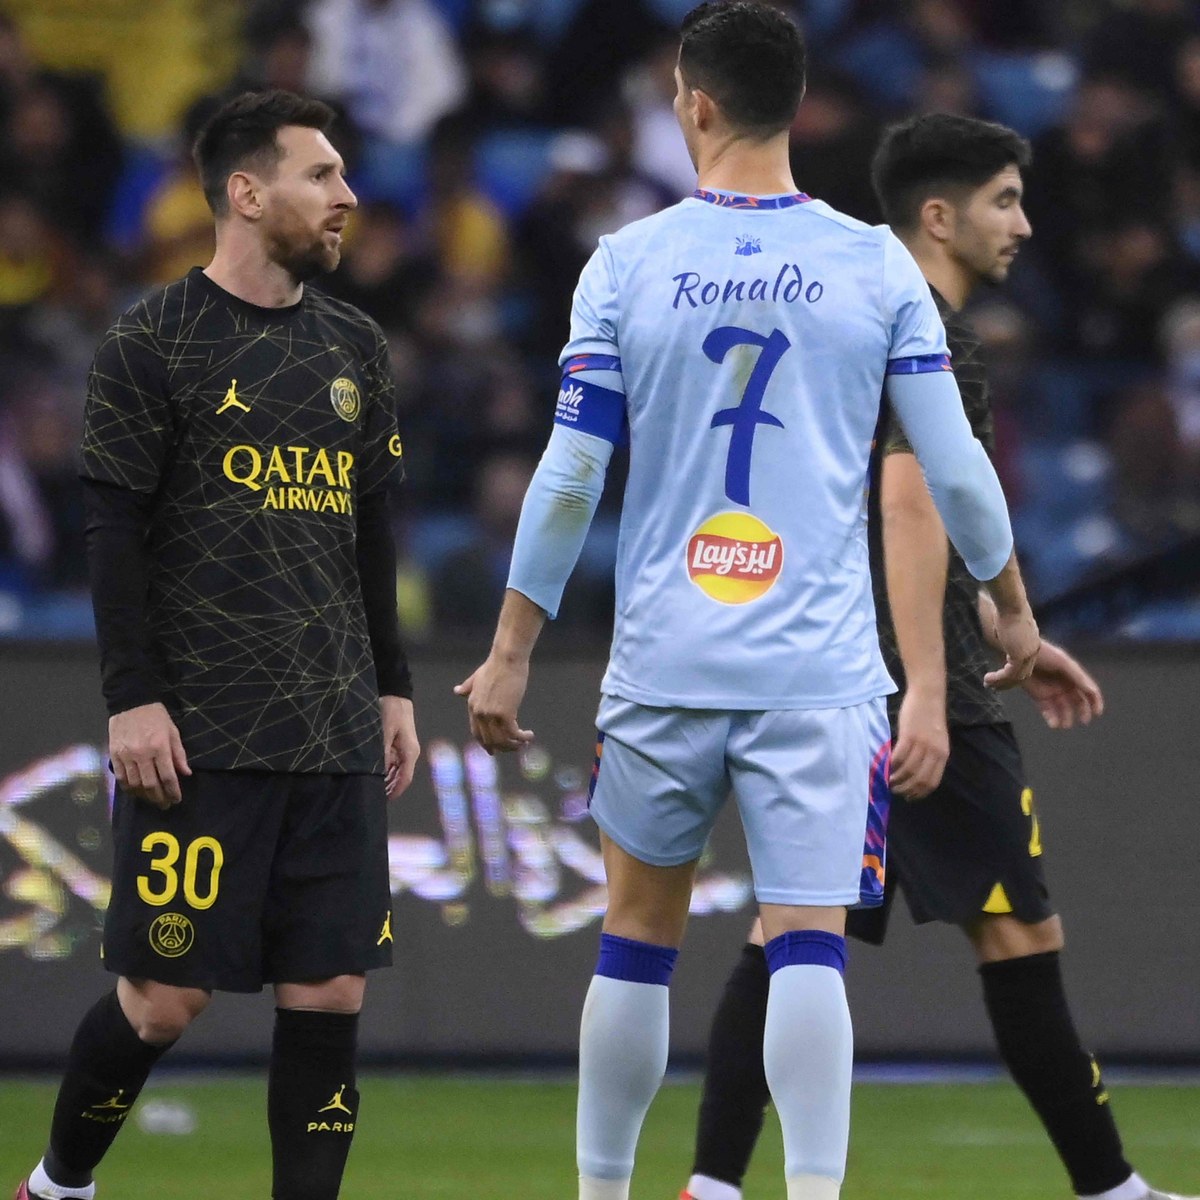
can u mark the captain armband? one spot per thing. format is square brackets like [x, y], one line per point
[592, 397]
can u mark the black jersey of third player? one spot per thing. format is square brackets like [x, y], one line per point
[256, 431]
[968, 656]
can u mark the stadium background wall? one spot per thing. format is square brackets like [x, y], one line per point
[497, 895]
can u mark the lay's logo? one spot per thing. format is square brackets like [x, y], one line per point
[734, 558]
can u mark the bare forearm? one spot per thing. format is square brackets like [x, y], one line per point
[1007, 590]
[916, 556]
[517, 630]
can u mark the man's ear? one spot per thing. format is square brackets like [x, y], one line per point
[242, 189]
[938, 219]
[706, 110]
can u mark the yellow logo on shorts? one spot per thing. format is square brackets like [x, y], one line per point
[385, 934]
[734, 558]
[343, 393]
[172, 935]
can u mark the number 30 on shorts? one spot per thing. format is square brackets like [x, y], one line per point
[164, 865]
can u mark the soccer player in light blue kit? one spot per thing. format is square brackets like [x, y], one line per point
[741, 341]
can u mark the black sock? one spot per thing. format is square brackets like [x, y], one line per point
[1037, 1040]
[735, 1084]
[106, 1067]
[312, 1106]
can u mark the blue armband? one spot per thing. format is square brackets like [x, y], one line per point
[919, 364]
[585, 402]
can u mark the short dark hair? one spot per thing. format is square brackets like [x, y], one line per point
[750, 58]
[937, 155]
[242, 133]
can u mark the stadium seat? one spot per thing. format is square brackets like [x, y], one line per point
[510, 166]
[1030, 92]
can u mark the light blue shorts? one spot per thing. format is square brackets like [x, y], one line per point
[804, 781]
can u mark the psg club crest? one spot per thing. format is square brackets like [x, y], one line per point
[343, 393]
[747, 245]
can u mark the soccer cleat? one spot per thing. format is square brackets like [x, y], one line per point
[23, 1192]
[1152, 1194]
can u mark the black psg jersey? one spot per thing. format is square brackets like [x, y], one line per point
[968, 655]
[255, 432]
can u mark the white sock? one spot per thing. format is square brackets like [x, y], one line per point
[40, 1184]
[812, 1187]
[622, 1058]
[603, 1189]
[1134, 1188]
[704, 1187]
[808, 1052]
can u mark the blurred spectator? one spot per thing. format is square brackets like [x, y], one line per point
[507, 81]
[395, 63]
[382, 272]
[41, 503]
[68, 327]
[1098, 196]
[469, 587]
[468, 230]
[888, 57]
[1137, 43]
[474, 396]
[32, 253]
[659, 151]
[1181, 339]
[605, 37]
[594, 189]
[1146, 447]
[178, 224]
[833, 139]
[55, 133]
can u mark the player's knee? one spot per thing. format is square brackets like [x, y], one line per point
[998, 938]
[342, 993]
[161, 1016]
[778, 919]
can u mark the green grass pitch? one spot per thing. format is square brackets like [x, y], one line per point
[449, 1138]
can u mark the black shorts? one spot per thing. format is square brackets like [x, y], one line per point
[972, 846]
[255, 877]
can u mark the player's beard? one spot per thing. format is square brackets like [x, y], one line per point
[304, 256]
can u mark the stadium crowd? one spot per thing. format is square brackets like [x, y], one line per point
[492, 142]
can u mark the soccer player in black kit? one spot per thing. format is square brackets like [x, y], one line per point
[239, 444]
[963, 840]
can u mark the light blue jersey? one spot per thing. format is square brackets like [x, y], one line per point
[742, 345]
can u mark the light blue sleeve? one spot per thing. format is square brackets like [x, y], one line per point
[589, 420]
[557, 513]
[594, 312]
[958, 472]
[918, 337]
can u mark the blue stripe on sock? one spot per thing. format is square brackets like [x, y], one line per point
[814, 947]
[636, 962]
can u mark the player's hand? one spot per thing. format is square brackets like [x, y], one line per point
[147, 754]
[401, 749]
[1063, 690]
[494, 693]
[922, 743]
[1016, 634]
